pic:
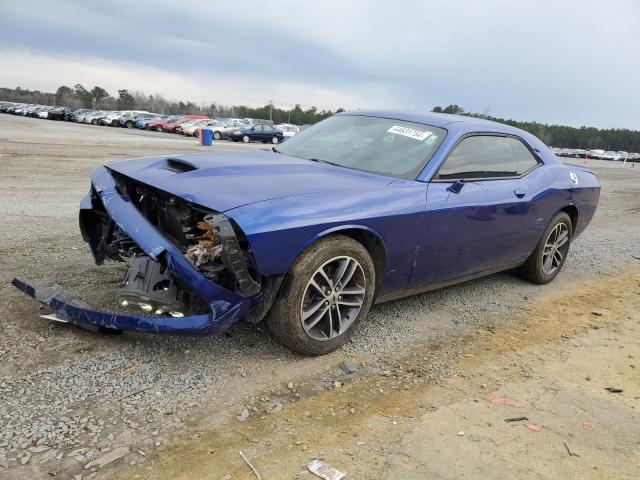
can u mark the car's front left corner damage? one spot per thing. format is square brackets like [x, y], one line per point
[191, 270]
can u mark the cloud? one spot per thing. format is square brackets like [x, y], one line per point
[568, 62]
[31, 70]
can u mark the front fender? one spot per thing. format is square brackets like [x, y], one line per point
[279, 230]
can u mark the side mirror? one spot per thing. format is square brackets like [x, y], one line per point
[456, 186]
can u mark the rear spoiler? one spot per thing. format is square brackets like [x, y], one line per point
[580, 167]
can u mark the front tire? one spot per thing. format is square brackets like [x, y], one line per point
[548, 258]
[217, 135]
[129, 124]
[158, 129]
[325, 294]
[275, 140]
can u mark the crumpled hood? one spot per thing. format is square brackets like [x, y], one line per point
[226, 180]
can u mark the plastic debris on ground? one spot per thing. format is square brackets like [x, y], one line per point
[325, 471]
[501, 401]
[534, 427]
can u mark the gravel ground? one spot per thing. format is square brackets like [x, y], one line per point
[70, 395]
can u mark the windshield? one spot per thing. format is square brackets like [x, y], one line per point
[384, 146]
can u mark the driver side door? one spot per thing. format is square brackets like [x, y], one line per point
[479, 205]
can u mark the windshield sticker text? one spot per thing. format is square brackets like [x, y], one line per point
[410, 132]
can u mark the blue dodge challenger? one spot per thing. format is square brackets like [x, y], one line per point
[363, 207]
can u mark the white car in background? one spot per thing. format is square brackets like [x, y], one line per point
[597, 153]
[191, 129]
[44, 113]
[287, 129]
[610, 155]
[221, 128]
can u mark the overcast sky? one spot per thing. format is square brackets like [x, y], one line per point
[575, 62]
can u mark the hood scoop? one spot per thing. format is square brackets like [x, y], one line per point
[179, 166]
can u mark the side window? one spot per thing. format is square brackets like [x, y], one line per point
[525, 161]
[486, 156]
[267, 128]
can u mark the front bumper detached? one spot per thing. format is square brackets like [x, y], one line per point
[225, 307]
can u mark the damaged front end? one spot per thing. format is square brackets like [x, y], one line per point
[189, 267]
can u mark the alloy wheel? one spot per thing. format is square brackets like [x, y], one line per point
[555, 249]
[333, 298]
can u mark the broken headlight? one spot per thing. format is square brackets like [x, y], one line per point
[209, 240]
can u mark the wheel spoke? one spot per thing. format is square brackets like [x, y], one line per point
[558, 257]
[349, 273]
[342, 267]
[315, 285]
[562, 239]
[351, 303]
[353, 291]
[548, 264]
[326, 278]
[313, 309]
[336, 324]
[318, 316]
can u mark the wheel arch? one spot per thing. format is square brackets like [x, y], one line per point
[573, 212]
[368, 237]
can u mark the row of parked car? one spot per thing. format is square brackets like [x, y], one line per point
[235, 129]
[596, 153]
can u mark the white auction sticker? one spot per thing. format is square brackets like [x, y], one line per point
[409, 132]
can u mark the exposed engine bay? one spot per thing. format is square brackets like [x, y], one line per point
[209, 240]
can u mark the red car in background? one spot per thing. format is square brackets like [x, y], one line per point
[169, 125]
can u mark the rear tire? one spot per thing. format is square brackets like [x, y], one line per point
[217, 135]
[246, 139]
[158, 129]
[546, 261]
[314, 322]
[129, 124]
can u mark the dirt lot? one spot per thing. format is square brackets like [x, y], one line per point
[416, 408]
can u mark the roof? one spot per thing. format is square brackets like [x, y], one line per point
[433, 119]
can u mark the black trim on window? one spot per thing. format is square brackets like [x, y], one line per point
[477, 179]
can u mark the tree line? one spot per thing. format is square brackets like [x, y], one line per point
[98, 98]
[587, 138]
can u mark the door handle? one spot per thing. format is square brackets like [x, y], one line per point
[519, 193]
